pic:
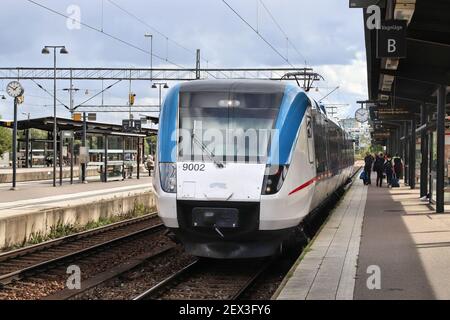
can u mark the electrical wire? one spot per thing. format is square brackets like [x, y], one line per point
[258, 34]
[283, 32]
[97, 94]
[49, 93]
[105, 33]
[190, 51]
[151, 27]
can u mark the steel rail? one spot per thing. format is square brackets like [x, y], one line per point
[198, 264]
[47, 264]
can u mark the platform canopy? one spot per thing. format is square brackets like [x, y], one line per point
[399, 86]
[64, 124]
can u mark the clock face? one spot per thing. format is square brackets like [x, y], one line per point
[14, 89]
[362, 115]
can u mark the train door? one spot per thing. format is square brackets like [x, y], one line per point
[309, 132]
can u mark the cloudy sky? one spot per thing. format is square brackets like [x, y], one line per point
[325, 33]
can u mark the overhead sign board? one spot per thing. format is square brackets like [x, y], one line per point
[131, 125]
[391, 39]
[92, 117]
[363, 3]
[126, 125]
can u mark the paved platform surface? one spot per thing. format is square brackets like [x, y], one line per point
[327, 270]
[410, 244]
[387, 230]
[34, 196]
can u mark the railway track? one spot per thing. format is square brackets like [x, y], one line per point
[31, 260]
[208, 279]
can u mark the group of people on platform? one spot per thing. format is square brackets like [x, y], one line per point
[385, 166]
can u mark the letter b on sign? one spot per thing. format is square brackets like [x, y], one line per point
[392, 45]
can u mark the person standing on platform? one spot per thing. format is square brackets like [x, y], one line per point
[379, 168]
[368, 162]
[388, 169]
[398, 166]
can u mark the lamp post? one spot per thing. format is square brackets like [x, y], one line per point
[62, 50]
[160, 85]
[147, 35]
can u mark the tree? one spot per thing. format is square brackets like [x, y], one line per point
[151, 140]
[34, 134]
[5, 140]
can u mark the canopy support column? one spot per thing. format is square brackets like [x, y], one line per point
[440, 164]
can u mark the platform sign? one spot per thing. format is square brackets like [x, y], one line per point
[67, 134]
[137, 125]
[131, 125]
[92, 117]
[84, 155]
[391, 39]
[126, 125]
[363, 3]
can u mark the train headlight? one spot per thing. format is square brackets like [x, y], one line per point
[274, 178]
[168, 177]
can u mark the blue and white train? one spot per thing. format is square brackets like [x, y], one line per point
[241, 163]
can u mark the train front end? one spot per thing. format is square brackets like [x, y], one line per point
[218, 164]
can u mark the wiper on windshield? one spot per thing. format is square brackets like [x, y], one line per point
[206, 151]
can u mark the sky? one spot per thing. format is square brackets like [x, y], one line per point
[326, 35]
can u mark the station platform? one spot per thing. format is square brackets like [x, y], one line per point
[37, 206]
[378, 243]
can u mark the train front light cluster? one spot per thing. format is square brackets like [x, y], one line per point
[168, 177]
[274, 178]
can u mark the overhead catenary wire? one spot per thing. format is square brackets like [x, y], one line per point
[258, 33]
[163, 35]
[151, 27]
[283, 32]
[97, 94]
[49, 93]
[105, 33]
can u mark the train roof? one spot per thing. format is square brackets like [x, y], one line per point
[255, 86]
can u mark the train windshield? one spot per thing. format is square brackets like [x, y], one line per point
[226, 127]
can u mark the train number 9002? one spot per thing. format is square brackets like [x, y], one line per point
[193, 167]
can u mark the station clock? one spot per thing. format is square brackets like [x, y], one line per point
[362, 115]
[14, 89]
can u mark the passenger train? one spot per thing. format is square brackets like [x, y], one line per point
[241, 163]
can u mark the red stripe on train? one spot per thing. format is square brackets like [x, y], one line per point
[303, 186]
